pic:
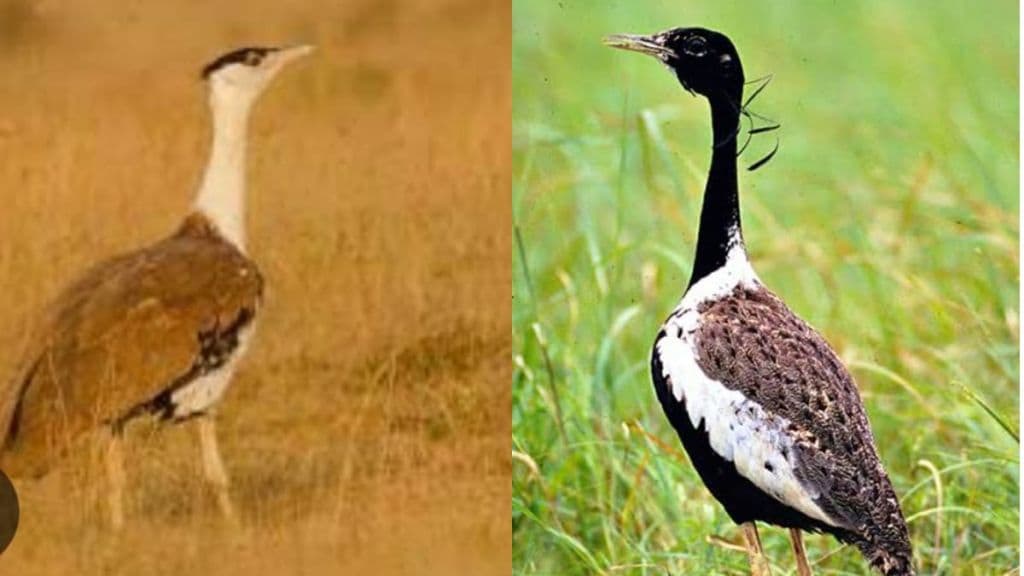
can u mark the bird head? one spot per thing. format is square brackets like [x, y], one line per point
[240, 76]
[704, 61]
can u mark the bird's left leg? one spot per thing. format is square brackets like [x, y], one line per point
[795, 537]
[213, 465]
[758, 563]
[114, 459]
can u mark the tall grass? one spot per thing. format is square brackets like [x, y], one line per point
[888, 220]
[367, 429]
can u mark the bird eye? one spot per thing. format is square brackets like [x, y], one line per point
[253, 58]
[696, 46]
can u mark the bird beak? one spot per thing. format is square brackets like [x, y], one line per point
[286, 55]
[650, 45]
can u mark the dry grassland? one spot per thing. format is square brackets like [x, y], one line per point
[368, 429]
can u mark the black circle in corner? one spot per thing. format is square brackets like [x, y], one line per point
[9, 512]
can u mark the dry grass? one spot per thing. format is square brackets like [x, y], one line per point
[368, 428]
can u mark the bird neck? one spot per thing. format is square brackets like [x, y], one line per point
[720, 229]
[221, 196]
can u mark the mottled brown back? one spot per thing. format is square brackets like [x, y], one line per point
[117, 337]
[751, 342]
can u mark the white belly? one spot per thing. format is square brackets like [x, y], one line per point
[202, 393]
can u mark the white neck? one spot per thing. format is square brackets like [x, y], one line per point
[737, 271]
[221, 196]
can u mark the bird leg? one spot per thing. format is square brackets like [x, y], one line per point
[795, 537]
[213, 466]
[758, 563]
[114, 460]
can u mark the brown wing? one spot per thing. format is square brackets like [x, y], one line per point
[119, 336]
[751, 342]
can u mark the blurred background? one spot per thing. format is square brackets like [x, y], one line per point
[367, 430]
[888, 220]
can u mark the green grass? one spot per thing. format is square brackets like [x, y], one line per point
[888, 220]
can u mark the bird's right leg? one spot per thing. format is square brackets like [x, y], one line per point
[114, 460]
[802, 568]
[758, 563]
[213, 466]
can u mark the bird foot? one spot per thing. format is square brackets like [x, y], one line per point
[758, 563]
[759, 566]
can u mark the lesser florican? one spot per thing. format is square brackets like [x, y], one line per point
[771, 419]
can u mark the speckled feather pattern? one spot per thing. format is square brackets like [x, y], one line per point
[751, 342]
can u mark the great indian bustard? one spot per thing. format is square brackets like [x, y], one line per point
[158, 331]
[770, 417]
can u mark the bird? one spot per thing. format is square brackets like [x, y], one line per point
[769, 416]
[157, 332]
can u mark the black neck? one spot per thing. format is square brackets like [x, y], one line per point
[720, 215]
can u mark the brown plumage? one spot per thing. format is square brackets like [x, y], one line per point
[126, 332]
[751, 342]
[158, 331]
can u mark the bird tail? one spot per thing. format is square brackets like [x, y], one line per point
[12, 388]
[888, 558]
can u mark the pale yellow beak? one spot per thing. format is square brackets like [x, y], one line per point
[286, 55]
[637, 43]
